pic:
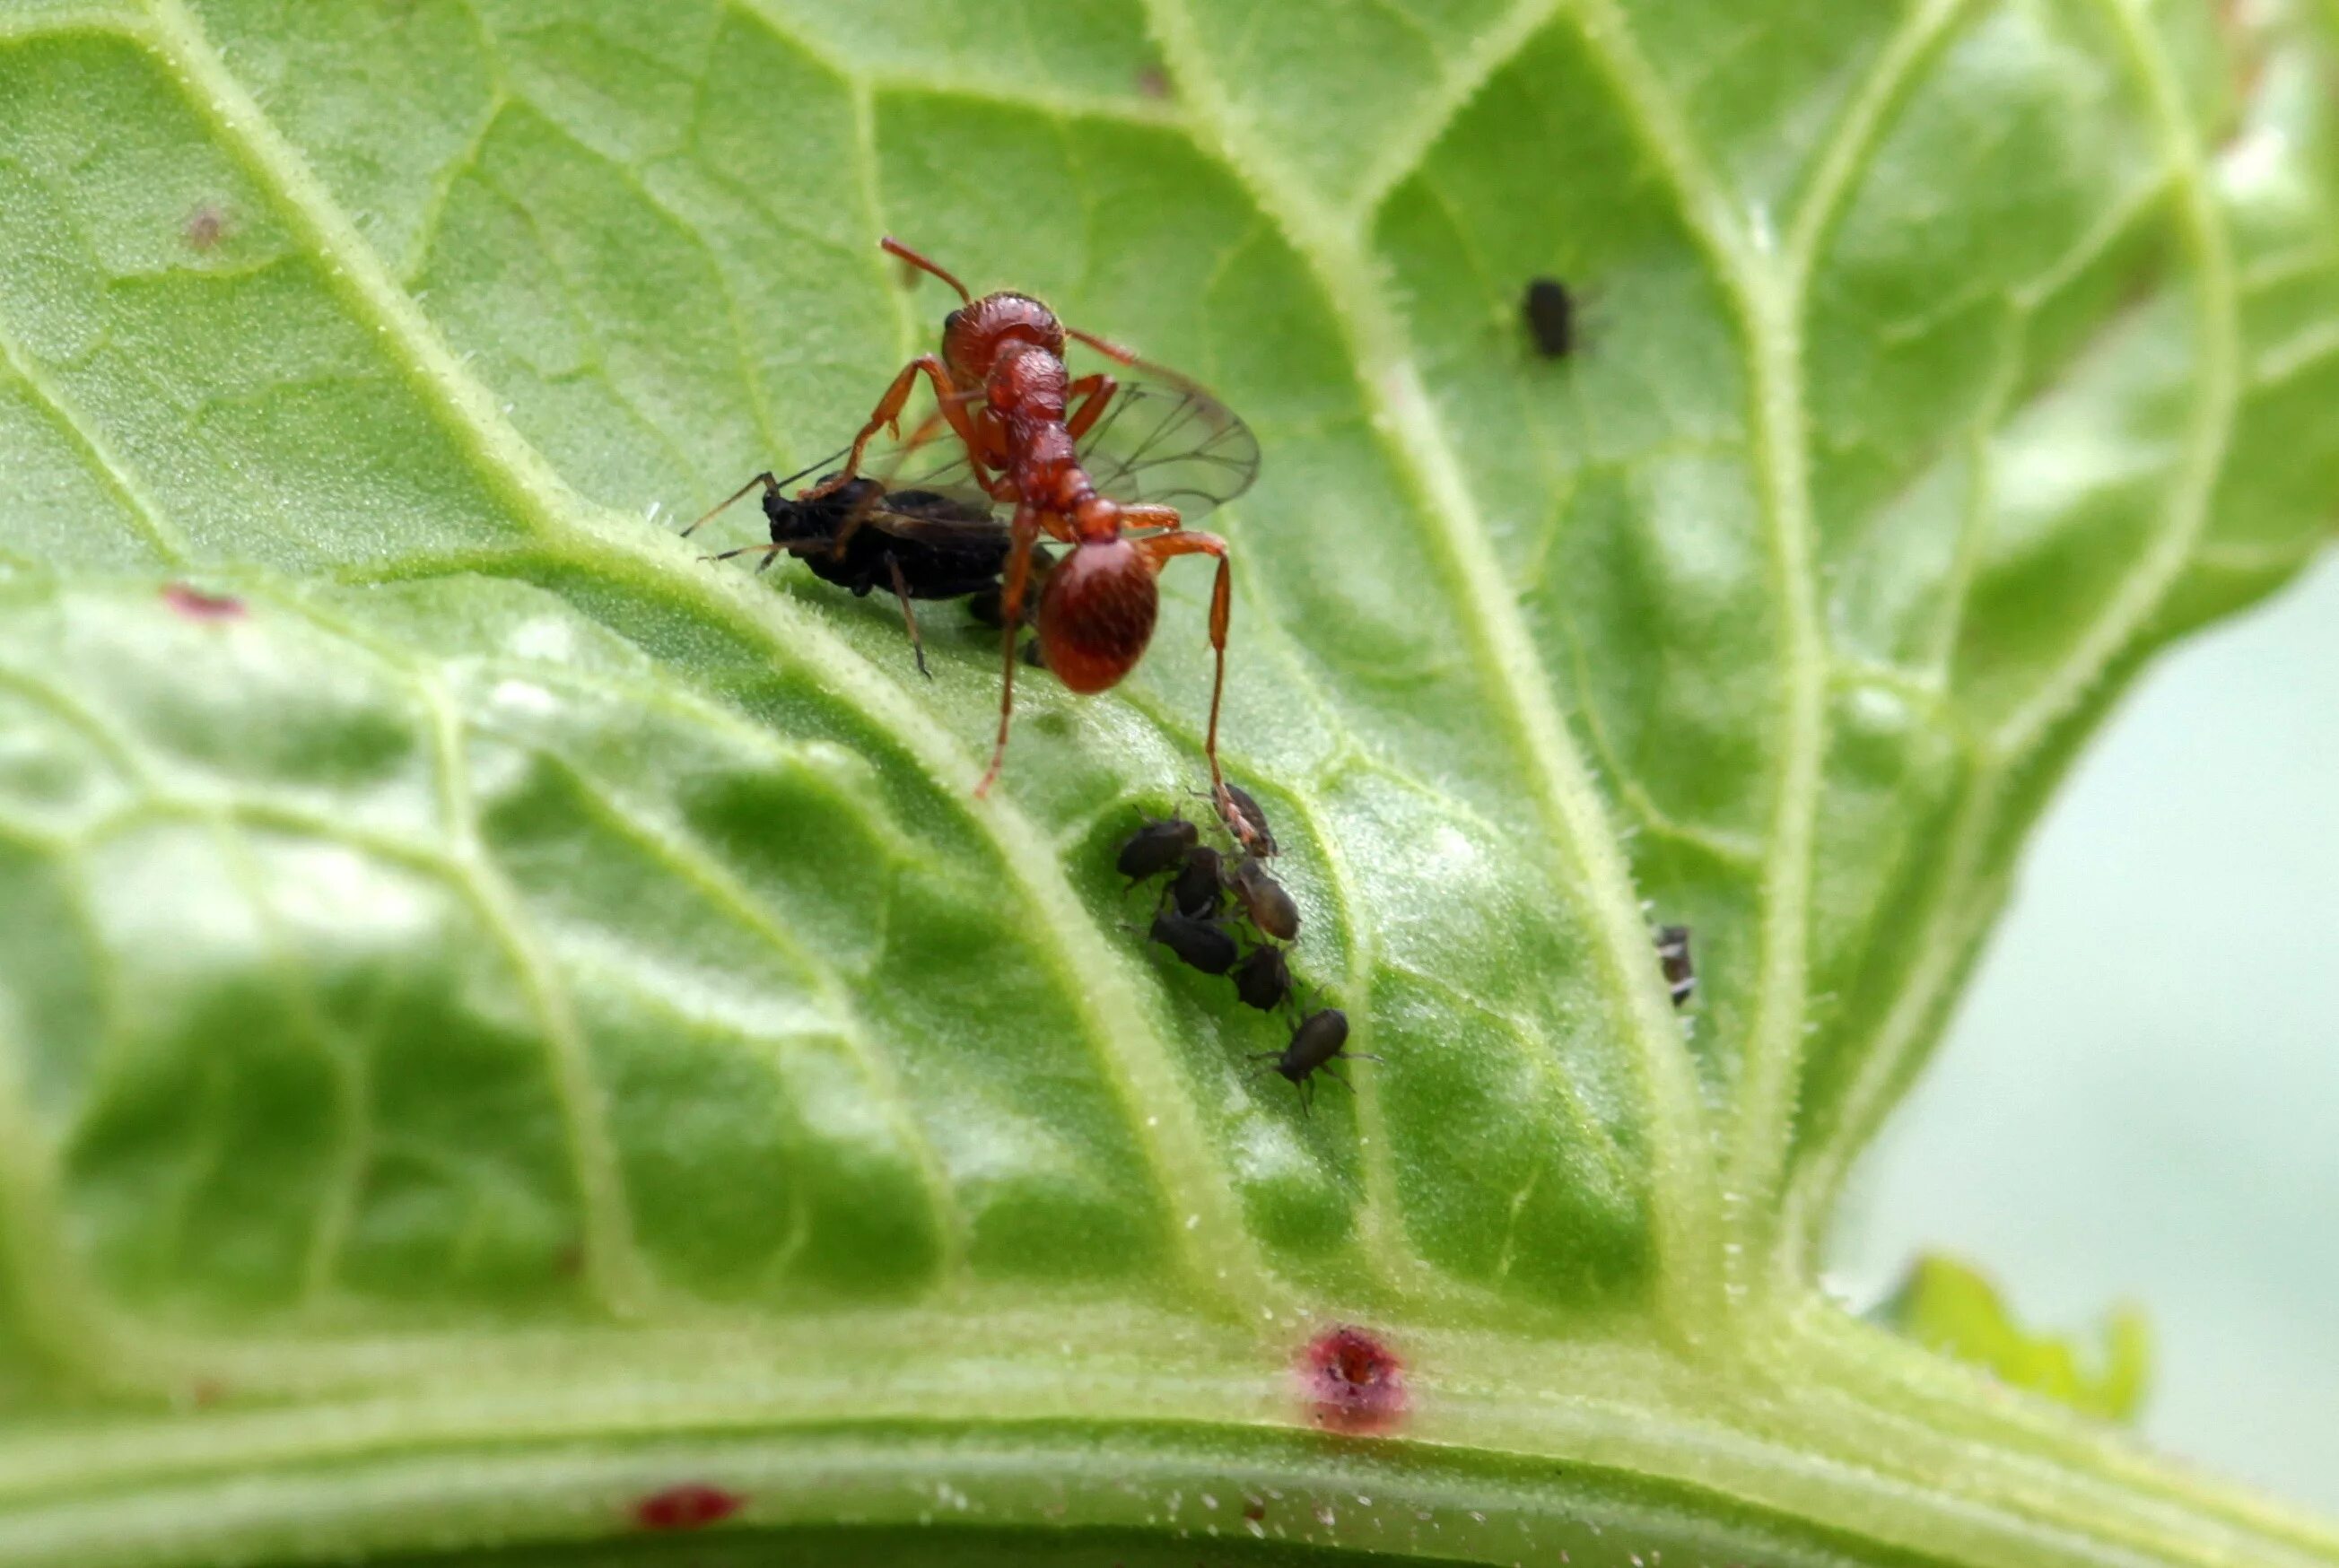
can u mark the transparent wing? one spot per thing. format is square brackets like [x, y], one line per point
[1162, 443]
[1168, 444]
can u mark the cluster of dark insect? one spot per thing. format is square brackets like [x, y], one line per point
[1223, 912]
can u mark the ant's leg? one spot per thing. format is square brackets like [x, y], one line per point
[1158, 549]
[1025, 534]
[887, 415]
[1092, 393]
[909, 615]
[764, 478]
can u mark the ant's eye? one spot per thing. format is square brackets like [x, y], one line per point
[949, 322]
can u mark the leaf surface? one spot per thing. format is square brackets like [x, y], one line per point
[505, 983]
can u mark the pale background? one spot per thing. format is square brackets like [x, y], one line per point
[2140, 1095]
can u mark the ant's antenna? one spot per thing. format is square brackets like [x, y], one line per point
[893, 247]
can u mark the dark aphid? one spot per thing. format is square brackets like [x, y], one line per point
[1550, 314]
[1245, 821]
[1672, 955]
[1203, 945]
[1198, 892]
[1314, 1044]
[1263, 980]
[1264, 900]
[1161, 843]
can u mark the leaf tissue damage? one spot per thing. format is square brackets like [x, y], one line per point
[461, 953]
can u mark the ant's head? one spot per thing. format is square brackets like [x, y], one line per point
[976, 333]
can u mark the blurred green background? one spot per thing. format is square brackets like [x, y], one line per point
[2140, 1094]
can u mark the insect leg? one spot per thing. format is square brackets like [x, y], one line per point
[909, 615]
[769, 552]
[1092, 393]
[1024, 537]
[887, 416]
[1156, 550]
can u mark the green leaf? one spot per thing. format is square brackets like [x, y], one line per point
[1952, 1307]
[501, 1017]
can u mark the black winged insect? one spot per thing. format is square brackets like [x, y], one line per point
[938, 535]
[922, 543]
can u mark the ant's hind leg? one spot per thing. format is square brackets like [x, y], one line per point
[1158, 549]
[909, 615]
[1024, 538]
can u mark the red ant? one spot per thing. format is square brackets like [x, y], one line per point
[1002, 386]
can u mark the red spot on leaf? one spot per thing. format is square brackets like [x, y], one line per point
[1354, 1383]
[689, 1505]
[198, 606]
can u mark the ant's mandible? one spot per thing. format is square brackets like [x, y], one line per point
[1001, 385]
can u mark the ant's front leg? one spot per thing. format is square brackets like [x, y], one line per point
[887, 416]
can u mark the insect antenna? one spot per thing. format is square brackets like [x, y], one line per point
[768, 482]
[893, 247]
